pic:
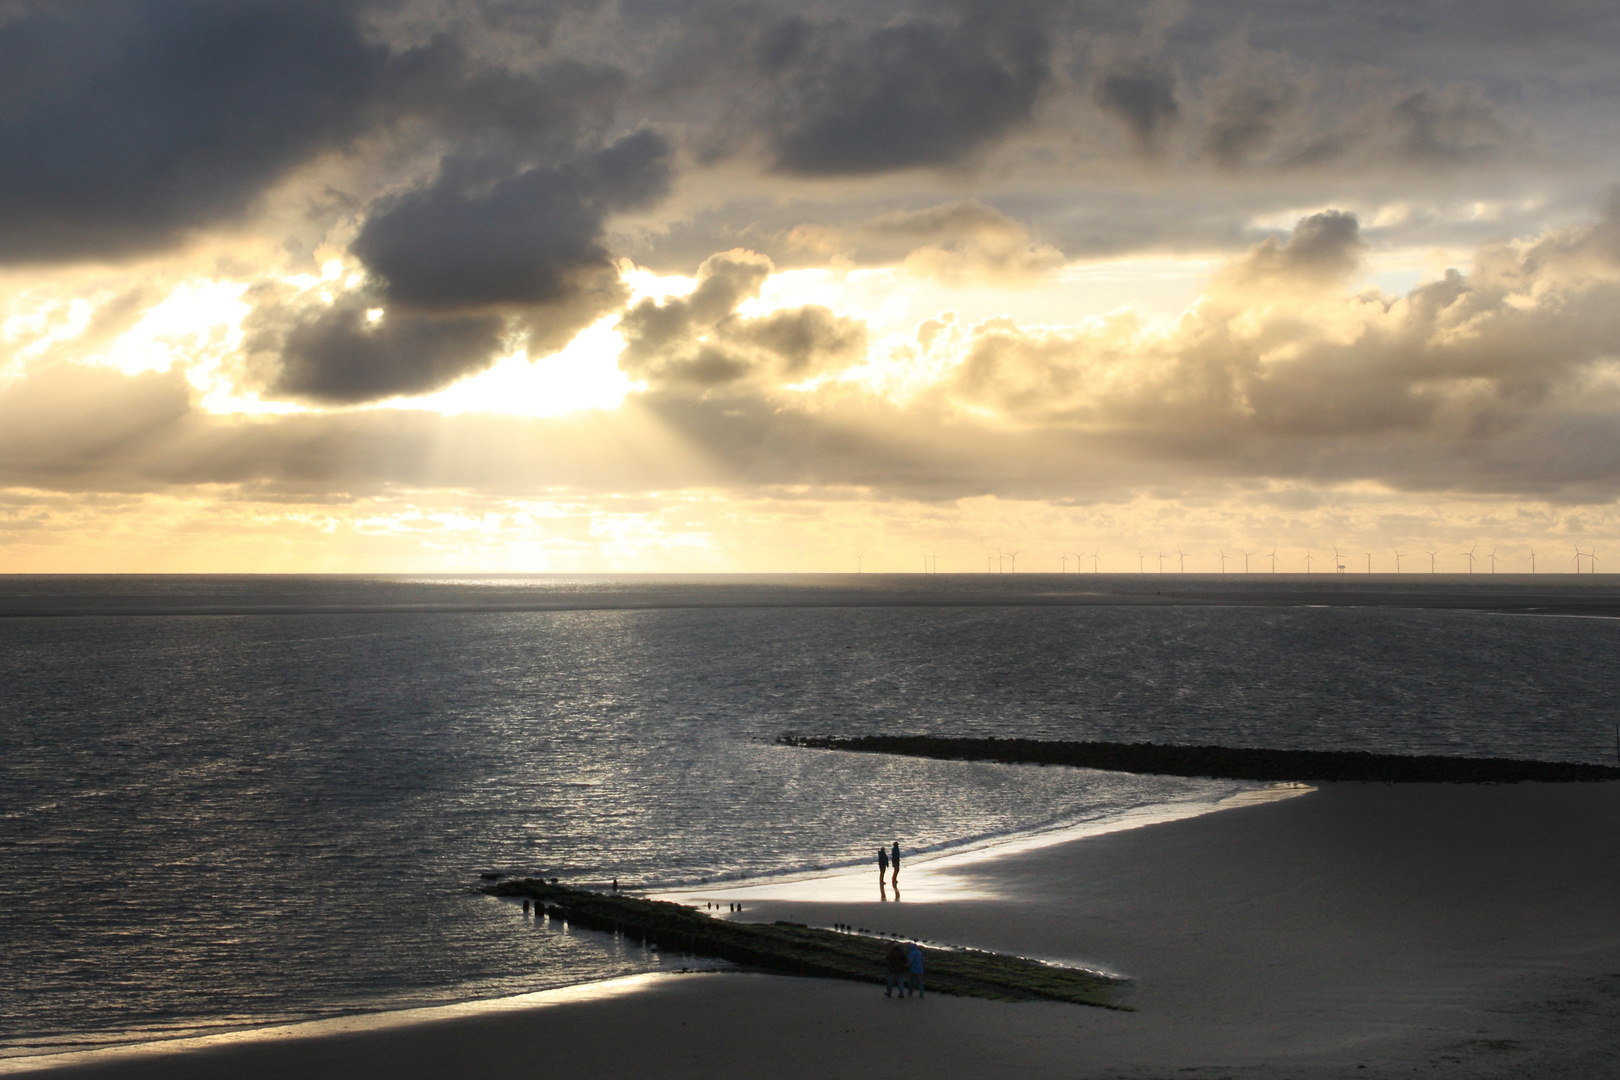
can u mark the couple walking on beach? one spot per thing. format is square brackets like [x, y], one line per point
[887, 859]
[904, 961]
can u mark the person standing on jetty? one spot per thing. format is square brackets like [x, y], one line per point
[915, 963]
[897, 963]
[883, 871]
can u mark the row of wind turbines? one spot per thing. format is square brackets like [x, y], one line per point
[1006, 562]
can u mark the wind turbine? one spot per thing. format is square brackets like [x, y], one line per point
[1492, 557]
[1338, 560]
[1578, 554]
[1223, 560]
[1141, 562]
[1369, 562]
[1013, 558]
[859, 555]
[1592, 560]
[1307, 560]
[1161, 560]
[1397, 560]
[1246, 555]
[1432, 554]
[1183, 555]
[1094, 555]
[1273, 558]
[1469, 554]
[1532, 560]
[1063, 560]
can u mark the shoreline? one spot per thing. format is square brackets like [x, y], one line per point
[1368, 930]
[932, 878]
[346, 1024]
[941, 873]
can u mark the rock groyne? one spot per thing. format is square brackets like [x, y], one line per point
[795, 949]
[1223, 762]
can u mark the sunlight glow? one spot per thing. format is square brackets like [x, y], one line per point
[193, 326]
[584, 375]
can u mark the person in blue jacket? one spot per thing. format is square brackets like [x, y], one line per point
[916, 963]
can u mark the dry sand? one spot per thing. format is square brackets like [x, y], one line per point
[1361, 930]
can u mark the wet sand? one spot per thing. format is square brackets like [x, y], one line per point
[1360, 930]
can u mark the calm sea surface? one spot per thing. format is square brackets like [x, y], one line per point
[228, 801]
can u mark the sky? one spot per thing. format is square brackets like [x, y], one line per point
[426, 286]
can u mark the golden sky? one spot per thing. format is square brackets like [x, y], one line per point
[417, 286]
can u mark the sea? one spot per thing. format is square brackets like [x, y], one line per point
[236, 801]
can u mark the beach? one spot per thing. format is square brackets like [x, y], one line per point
[1357, 930]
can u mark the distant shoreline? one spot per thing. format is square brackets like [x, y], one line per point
[1221, 762]
[22, 596]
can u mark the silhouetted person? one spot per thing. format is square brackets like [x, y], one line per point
[896, 962]
[915, 962]
[615, 884]
[894, 861]
[525, 909]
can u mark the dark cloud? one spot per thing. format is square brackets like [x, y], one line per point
[1245, 120]
[340, 355]
[1143, 95]
[916, 93]
[1454, 128]
[1322, 250]
[127, 123]
[127, 120]
[698, 341]
[525, 239]
[541, 111]
[466, 267]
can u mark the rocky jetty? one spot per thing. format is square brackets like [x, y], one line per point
[1224, 762]
[795, 949]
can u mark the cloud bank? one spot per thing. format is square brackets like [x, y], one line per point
[243, 245]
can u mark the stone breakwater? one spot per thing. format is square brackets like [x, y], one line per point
[1220, 762]
[796, 949]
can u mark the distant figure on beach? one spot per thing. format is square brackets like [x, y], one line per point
[897, 962]
[525, 909]
[915, 963]
[894, 861]
[883, 872]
